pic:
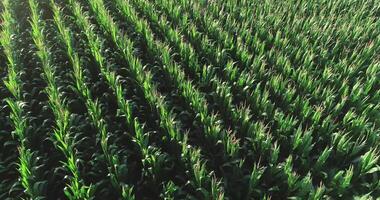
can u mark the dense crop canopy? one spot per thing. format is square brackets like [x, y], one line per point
[161, 99]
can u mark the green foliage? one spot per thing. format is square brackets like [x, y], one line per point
[139, 99]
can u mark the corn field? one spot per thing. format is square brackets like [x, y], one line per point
[213, 100]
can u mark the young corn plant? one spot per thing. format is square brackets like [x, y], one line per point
[281, 99]
[307, 60]
[243, 82]
[276, 84]
[152, 157]
[140, 76]
[223, 95]
[308, 83]
[194, 97]
[16, 103]
[307, 112]
[75, 189]
[285, 95]
[93, 107]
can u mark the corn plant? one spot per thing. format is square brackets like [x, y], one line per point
[193, 96]
[26, 164]
[151, 95]
[75, 188]
[93, 107]
[204, 99]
